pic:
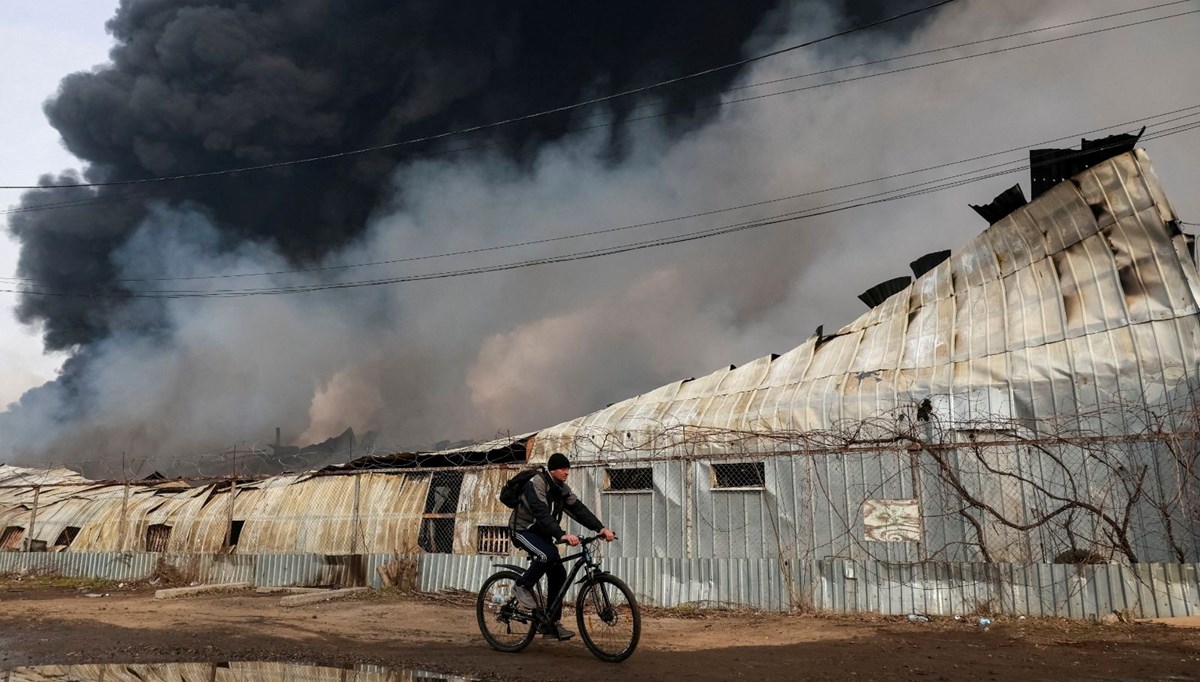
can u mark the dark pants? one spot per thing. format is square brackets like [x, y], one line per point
[545, 561]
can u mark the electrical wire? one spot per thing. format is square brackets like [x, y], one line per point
[1194, 109]
[951, 47]
[837, 207]
[496, 124]
[938, 63]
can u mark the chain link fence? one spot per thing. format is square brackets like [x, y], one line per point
[889, 493]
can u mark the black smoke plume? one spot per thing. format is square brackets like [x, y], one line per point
[195, 86]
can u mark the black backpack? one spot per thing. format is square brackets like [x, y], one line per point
[510, 494]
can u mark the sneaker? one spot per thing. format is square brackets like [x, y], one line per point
[524, 597]
[557, 631]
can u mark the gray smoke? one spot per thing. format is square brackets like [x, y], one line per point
[199, 86]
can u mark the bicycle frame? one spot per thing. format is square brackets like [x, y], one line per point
[583, 562]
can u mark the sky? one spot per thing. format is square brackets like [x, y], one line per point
[40, 43]
[473, 357]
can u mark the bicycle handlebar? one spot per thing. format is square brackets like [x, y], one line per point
[586, 541]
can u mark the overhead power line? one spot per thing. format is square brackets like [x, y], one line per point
[867, 200]
[946, 48]
[1194, 109]
[503, 122]
[936, 63]
[134, 193]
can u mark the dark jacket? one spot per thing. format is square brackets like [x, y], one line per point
[542, 506]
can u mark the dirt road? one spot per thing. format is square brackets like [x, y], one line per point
[59, 625]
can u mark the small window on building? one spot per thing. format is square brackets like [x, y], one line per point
[11, 539]
[235, 532]
[67, 536]
[740, 475]
[492, 540]
[630, 480]
[157, 537]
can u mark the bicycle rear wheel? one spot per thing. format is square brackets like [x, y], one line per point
[608, 618]
[504, 624]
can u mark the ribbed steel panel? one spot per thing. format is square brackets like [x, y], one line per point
[313, 570]
[1092, 257]
[457, 571]
[755, 583]
[213, 568]
[102, 565]
[1070, 591]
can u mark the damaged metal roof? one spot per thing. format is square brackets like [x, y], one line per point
[1086, 294]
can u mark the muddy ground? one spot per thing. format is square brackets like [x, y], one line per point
[52, 622]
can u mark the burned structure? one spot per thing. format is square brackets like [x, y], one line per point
[1027, 400]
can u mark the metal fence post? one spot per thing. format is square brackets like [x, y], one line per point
[356, 524]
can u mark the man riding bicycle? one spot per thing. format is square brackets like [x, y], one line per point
[534, 525]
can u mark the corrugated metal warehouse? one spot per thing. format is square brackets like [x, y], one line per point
[1019, 417]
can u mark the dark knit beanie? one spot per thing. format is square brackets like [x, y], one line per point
[558, 461]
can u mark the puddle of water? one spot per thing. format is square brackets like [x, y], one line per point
[245, 671]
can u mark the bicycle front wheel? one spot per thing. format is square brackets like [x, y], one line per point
[608, 618]
[504, 624]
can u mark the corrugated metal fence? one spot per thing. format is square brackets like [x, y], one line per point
[1073, 591]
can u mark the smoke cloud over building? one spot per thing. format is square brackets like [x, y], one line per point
[200, 86]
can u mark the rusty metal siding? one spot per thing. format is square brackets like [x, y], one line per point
[479, 505]
[390, 511]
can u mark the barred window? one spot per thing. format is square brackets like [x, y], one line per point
[158, 535]
[739, 475]
[492, 540]
[630, 480]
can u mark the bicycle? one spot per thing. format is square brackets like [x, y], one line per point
[605, 609]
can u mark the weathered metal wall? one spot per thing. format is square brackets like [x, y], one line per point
[102, 565]
[1085, 295]
[479, 505]
[812, 506]
[1086, 591]
[934, 588]
[1083, 591]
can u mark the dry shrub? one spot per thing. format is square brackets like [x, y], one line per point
[400, 572]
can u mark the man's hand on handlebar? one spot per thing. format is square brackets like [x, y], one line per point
[574, 540]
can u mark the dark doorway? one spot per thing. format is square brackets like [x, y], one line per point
[441, 503]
